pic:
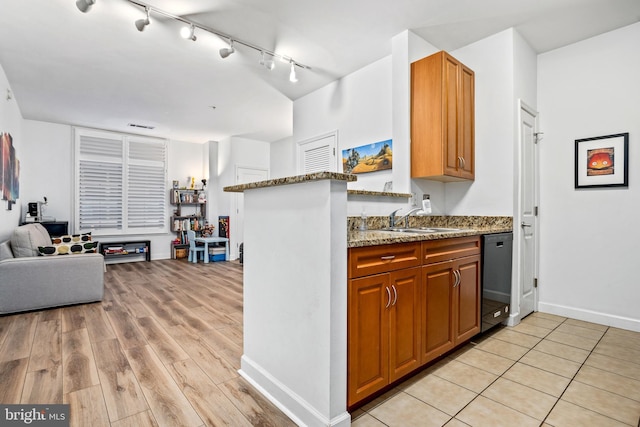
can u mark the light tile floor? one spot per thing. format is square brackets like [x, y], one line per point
[546, 371]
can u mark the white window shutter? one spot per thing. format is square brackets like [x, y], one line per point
[100, 184]
[121, 183]
[146, 178]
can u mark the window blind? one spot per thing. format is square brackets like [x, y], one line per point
[121, 183]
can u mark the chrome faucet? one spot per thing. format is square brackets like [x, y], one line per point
[393, 221]
[392, 218]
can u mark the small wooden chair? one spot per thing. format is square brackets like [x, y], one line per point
[194, 249]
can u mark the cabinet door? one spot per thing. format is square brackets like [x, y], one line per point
[404, 322]
[437, 299]
[368, 336]
[466, 129]
[450, 100]
[467, 307]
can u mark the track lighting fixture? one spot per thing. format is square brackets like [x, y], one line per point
[226, 51]
[267, 57]
[142, 23]
[85, 5]
[269, 64]
[189, 33]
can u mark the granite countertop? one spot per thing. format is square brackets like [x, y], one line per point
[467, 225]
[291, 180]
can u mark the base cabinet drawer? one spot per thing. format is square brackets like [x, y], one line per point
[370, 260]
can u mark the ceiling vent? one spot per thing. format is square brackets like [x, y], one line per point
[134, 125]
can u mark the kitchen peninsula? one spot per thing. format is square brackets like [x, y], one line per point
[296, 239]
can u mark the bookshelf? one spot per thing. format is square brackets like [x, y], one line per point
[190, 214]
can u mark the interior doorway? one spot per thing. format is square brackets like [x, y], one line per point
[526, 227]
[244, 175]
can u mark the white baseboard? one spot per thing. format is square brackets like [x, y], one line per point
[590, 316]
[289, 402]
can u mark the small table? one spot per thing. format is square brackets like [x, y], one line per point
[207, 240]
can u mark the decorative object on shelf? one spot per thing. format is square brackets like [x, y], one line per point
[176, 183]
[223, 226]
[204, 183]
[602, 161]
[9, 170]
[193, 183]
[368, 158]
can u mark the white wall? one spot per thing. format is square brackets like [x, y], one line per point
[358, 106]
[48, 171]
[589, 238]
[283, 158]
[11, 122]
[495, 60]
[237, 152]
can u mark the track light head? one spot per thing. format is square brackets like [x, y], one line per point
[226, 51]
[269, 64]
[292, 75]
[142, 23]
[84, 5]
[189, 33]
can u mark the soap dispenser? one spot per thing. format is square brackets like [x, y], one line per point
[364, 226]
[426, 205]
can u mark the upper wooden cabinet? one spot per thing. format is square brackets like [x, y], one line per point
[442, 119]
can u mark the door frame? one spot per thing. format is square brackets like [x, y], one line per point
[516, 317]
[235, 224]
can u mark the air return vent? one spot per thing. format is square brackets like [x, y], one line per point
[135, 125]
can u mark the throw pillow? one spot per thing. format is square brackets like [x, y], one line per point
[68, 248]
[26, 239]
[72, 238]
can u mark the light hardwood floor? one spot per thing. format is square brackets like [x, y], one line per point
[163, 348]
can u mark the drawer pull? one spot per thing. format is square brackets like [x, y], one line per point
[387, 258]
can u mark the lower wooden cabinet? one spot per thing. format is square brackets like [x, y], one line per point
[383, 330]
[451, 310]
[424, 305]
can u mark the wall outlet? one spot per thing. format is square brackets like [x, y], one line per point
[414, 199]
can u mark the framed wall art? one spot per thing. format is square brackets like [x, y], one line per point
[368, 158]
[602, 161]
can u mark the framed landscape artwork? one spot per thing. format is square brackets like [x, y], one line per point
[602, 161]
[368, 158]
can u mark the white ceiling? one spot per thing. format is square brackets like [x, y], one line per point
[97, 70]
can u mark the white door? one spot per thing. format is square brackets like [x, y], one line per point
[244, 175]
[528, 226]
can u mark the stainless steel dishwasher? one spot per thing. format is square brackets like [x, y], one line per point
[496, 278]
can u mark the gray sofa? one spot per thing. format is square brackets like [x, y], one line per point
[32, 282]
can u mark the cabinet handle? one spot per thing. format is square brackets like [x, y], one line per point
[388, 297]
[463, 162]
[387, 258]
[459, 162]
[456, 273]
[395, 295]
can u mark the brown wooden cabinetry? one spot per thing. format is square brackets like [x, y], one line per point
[450, 293]
[442, 119]
[383, 318]
[408, 303]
